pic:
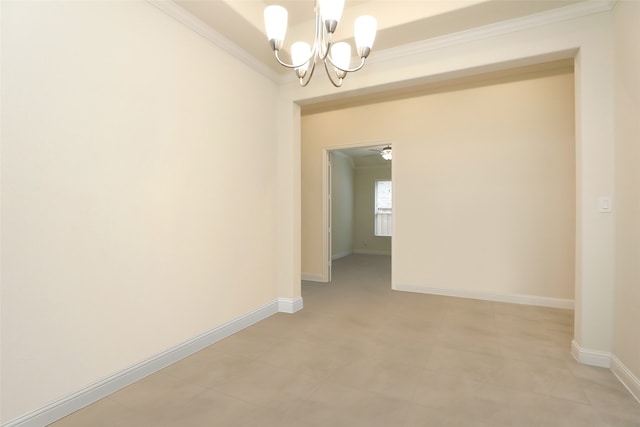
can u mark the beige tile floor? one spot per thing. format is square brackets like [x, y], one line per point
[360, 354]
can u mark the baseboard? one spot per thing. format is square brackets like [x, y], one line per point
[487, 296]
[311, 277]
[340, 255]
[289, 305]
[371, 252]
[601, 359]
[97, 391]
[605, 359]
[626, 377]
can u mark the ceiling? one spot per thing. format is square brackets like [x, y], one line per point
[400, 22]
[366, 156]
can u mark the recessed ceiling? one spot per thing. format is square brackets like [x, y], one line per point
[369, 151]
[400, 22]
[368, 156]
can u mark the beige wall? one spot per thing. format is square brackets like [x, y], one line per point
[138, 208]
[342, 205]
[484, 184]
[627, 193]
[587, 39]
[491, 205]
[312, 253]
[364, 241]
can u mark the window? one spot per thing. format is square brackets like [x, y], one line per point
[383, 208]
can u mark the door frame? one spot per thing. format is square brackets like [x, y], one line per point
[327, 201]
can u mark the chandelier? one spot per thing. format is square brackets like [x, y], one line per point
[336, 57]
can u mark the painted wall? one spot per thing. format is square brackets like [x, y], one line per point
[138, 208]
[587, 39]
[365, 242]
[627, 192]
[342, 207]
[484, 197]
[491, 205]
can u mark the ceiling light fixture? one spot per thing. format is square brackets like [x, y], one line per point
[336, 57]
[386, 153]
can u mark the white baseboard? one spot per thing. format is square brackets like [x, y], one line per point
[605, 359]
[371, 252]
[626, 377]
[601, 359]
[289, 305]
[99, 390]
[487, 296]
[340, 255]
[311, 277]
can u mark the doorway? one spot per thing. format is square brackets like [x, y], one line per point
[353, 217]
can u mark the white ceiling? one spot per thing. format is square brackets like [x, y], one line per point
[400, 22]
[369, 154]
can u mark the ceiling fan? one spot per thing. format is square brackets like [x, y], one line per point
[385, 152]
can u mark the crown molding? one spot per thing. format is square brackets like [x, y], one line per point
[499, 28]
[197, 25]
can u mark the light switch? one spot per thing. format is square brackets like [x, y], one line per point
[604, 205]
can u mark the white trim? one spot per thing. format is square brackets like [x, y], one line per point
[601, 359]
[197, 25]
[605, 359]
[312, 277]
[488, 296]
[372, 252]
[289, 305]
[327, 217]
[340, 255]
[626, 377]
[113, 383]
[499, 28]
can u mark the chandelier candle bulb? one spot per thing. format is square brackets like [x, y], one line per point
[300, 53]
[331, 12]
[341, 57]
[365, 33]
[275, 22]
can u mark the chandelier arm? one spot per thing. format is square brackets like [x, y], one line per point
[347, 70]
[281, 62]
[314, 50]
[330, 75]
[323, 37]
[304, 81]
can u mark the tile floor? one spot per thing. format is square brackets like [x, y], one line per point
[360, 354]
